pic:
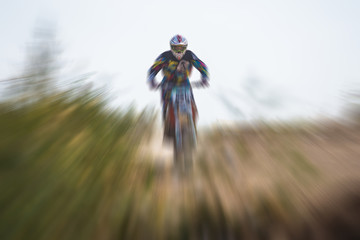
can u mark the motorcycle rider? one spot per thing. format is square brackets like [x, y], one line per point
[176, 65]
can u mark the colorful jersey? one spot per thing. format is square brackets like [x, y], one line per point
[176, 73]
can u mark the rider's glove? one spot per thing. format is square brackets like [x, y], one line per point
[204, 82]
[153, 85]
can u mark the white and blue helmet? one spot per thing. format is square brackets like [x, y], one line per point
[178, 46]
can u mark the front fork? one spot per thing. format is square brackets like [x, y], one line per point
[183, 117]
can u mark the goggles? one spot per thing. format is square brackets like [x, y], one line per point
[178, 48]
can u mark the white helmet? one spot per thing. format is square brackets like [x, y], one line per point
[178, 46]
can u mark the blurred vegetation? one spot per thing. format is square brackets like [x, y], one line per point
[65, 157]
[61, 162]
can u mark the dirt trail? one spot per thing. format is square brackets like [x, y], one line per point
[156, 150]
[298, 178]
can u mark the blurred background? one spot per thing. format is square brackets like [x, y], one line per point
[81, 152]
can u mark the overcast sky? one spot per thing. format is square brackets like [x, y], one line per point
[275, 59]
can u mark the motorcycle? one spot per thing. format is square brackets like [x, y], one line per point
[180, 117]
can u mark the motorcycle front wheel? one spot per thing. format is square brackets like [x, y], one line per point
[183, 153]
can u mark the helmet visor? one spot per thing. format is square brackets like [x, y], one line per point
[178, 48]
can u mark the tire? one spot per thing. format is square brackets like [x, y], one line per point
[183, 156]
[188, 148]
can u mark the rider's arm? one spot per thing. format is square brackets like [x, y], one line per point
[201, 67]
[155, 68]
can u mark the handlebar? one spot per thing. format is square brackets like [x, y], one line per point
[198, 84]
[194, 84]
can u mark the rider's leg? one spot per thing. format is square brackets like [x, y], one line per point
[169, 120]
[194, 114]
[164, 112]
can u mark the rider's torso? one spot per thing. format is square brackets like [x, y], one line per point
[177, 72]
